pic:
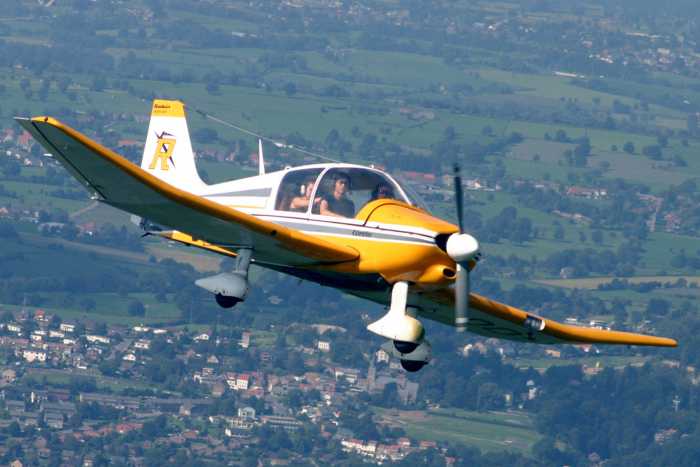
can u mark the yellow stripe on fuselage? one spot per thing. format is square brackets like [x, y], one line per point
[393, 260]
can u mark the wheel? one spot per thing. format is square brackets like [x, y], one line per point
[405, 347]
[225, 301]
[412, 365]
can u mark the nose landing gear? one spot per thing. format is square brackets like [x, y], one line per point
[405, 332]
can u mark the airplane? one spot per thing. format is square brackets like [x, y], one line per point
[346, 226]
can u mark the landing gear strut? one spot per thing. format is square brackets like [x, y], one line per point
[405, 332]
[229, 288]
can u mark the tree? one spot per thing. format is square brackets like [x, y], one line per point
[136, 308]
[597, 237]
[653, 151]
[561, 136]
[99, 83]
[290, 89]
[628, 147]
[205, 135]
[55, 322]
[581, 153]
[559, 232]
[88, 304]
[658, 306]
[212, 88]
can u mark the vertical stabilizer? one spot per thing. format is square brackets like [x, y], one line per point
[168, 152]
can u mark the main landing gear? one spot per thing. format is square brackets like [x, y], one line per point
[406, 333]
[229, 288]
[225, 301]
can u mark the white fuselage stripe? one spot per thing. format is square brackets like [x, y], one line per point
[343, 229]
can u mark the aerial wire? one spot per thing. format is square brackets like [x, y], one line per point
[278, 144]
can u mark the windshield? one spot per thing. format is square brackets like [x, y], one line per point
[415, 199]
[342, 192]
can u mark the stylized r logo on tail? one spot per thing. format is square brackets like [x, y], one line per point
[164, 152]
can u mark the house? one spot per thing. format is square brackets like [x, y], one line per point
[41, 316]
[242, 382]
[142, 344]
[32, 356]
[246, 413]
[8, 376]
[129, 357]
[212, 360]
[123, 428]
[245, 340]
[218, 389]
[93, 339]
[476, 347]
[54, 420]
[288, 423]
[598, 324]
[324, 346]
[382, 356]
[351, 375]
[25, 141]
[427, 445]
[661, 436]
[14, 327]
[202, 337]
[351, 444]
[589, 193]
[67, 327]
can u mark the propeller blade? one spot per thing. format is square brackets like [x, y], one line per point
[461, 298]
[459, 198]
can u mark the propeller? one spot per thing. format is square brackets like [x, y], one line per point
[462, 248]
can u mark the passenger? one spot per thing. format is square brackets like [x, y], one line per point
[337, 203]
[382, 191]
[301, 203]
[284, 198]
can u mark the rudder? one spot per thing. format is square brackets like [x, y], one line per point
[168, 151]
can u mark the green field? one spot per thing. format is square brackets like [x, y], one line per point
[488, 431]
[594, 282]
[64, 377]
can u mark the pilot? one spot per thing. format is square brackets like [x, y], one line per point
[301, 203]
[382, 191]
[338, 204]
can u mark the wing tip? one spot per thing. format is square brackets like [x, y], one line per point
[667, 342]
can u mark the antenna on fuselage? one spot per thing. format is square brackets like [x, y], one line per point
[261, 160]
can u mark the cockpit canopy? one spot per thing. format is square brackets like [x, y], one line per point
[335, 191]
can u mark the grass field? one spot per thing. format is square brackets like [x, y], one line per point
[488, 431]
[594, 282]
[64, 377]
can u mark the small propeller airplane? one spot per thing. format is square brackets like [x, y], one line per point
[347, 226]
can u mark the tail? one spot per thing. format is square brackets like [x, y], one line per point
[168, 152]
